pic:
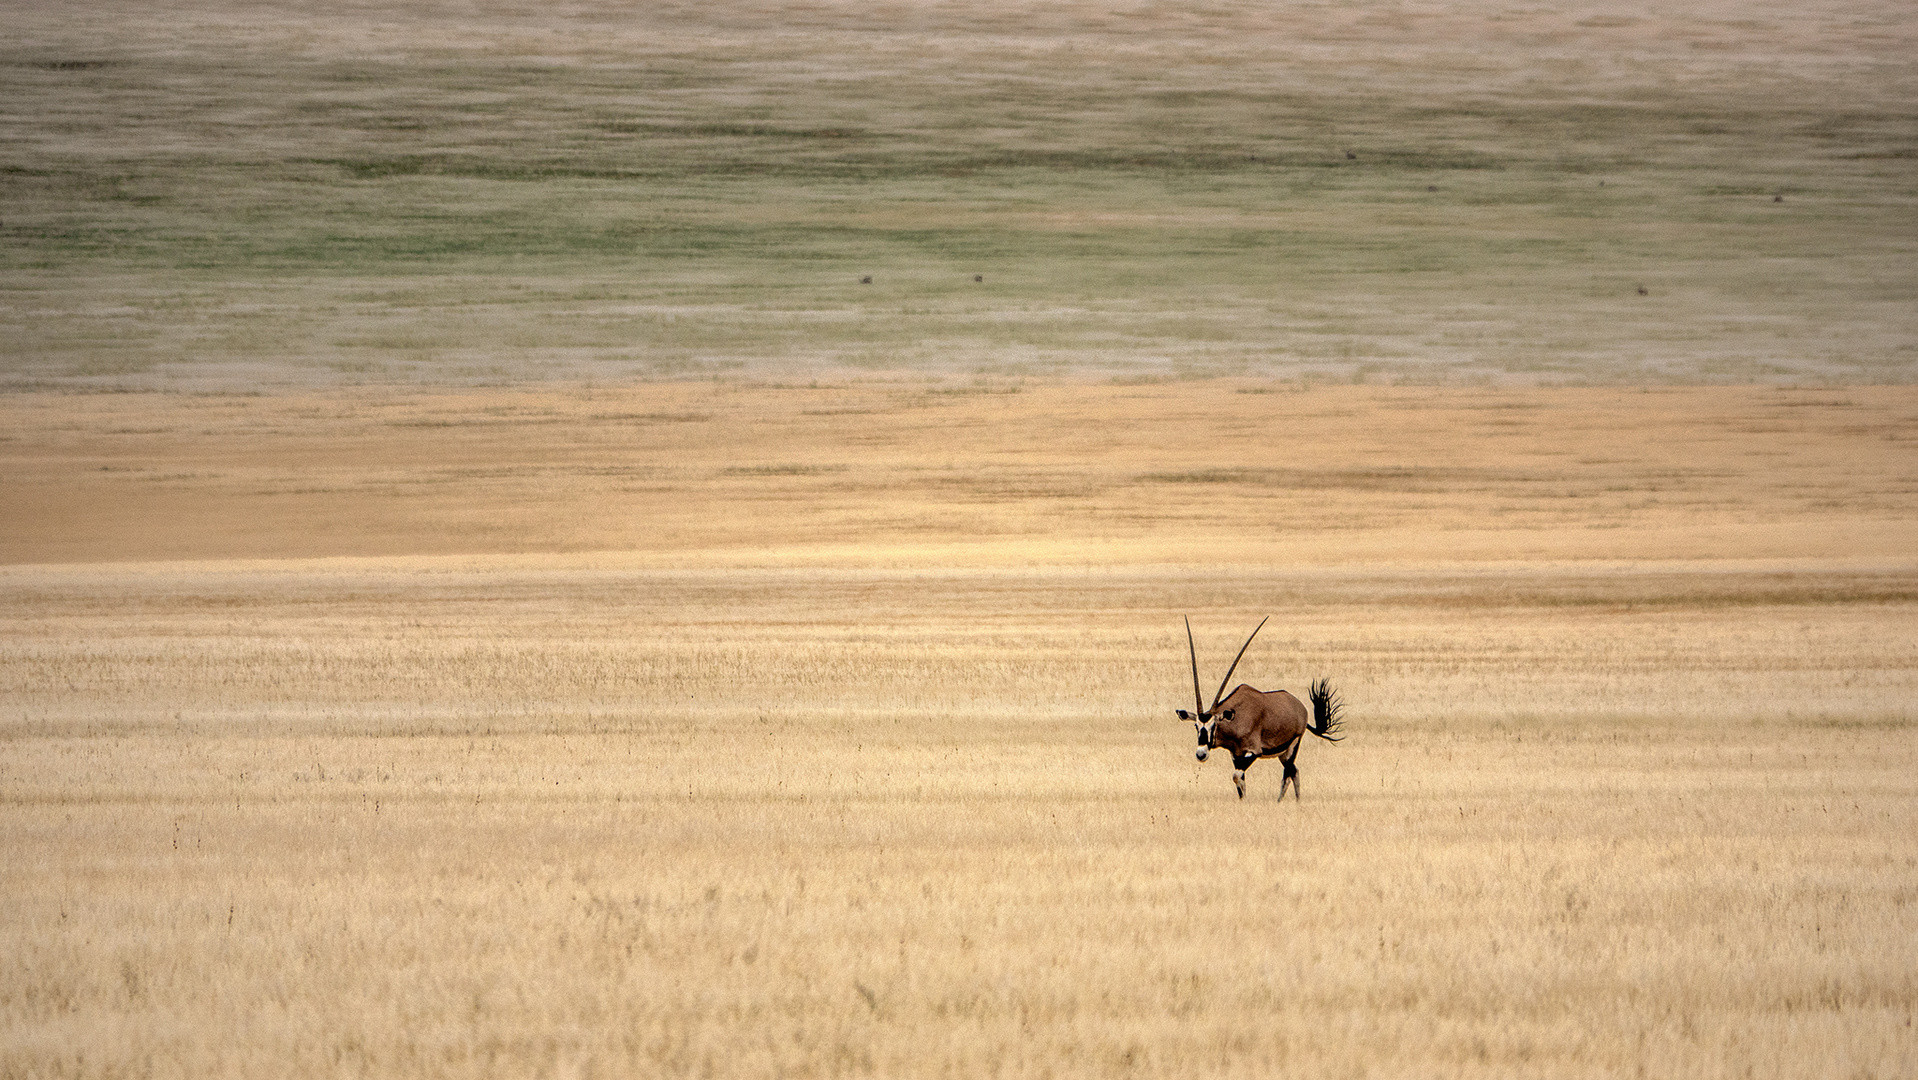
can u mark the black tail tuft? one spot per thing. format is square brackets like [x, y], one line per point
[1326, 708]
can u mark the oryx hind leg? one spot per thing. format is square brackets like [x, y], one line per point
[1291, 770]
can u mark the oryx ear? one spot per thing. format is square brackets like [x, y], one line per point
[1228, 713]
[1183, 715]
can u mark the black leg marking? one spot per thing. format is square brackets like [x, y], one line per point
[1240, 763]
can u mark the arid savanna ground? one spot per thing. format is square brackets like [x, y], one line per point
[829, 732]
[485, 590]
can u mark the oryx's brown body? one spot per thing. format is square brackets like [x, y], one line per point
[1251, 724]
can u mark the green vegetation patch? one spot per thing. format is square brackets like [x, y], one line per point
[1177, 194]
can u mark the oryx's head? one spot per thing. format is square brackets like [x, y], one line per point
[1204, 723]
[1204, 719]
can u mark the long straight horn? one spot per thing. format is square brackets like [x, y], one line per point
[1235, 661]
[1198, 695]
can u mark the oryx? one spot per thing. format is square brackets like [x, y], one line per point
[1259, 723]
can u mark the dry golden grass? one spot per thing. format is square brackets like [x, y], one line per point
[974, 473]
[499, 817]
[843, 744]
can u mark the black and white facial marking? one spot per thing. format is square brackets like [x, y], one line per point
[1202, 721]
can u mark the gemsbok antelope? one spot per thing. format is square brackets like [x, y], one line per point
[1259, 723]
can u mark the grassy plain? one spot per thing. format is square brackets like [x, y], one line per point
[747, 730]
[401, 675]
[199, 192]
[975, 473]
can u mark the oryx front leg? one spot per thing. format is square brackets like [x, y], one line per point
[1240, 763]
